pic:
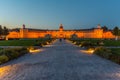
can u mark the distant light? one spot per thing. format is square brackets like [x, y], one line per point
[91, 51]
[80, 45]
[74, 43]
[35, 50]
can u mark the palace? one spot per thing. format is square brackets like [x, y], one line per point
[60, 33]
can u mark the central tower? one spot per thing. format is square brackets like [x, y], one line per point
[61, 32]
[61, 28]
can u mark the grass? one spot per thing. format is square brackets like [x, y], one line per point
[106, 42]
[25, 42]
[112, 54]
[17, 43]
[111, 43]
[115, 51]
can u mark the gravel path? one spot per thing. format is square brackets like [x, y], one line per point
[60, 61]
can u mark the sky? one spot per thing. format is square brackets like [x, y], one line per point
[48, 14]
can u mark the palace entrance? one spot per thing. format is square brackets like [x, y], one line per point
[61, 36]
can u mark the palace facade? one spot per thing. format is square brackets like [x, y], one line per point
[60, 33]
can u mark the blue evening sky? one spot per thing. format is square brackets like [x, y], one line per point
[48, 14]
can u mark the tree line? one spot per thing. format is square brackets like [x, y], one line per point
[115, 31]
[4, 31]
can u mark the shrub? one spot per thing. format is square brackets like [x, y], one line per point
[22, 51]
[44, 43]
[3, 59]
[77, 43]
[103, 52]
[100, 43]
[115, 58]
[73, 41]
[13, 53]
[49, 41]
[38, 44]
[2, 52]
[30, 48]
[86, 44]
[10, 53]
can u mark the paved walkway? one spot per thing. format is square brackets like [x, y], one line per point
[60, 61]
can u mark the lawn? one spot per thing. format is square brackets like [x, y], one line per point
[115, 51]
[111, 43]
[106, 42]
[25, 42]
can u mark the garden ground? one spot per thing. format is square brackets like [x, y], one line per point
[60, 61]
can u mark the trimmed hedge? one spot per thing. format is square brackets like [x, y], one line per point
[3, 59]
[103, 52]
[115, 58]
[88, 42]
[108, 54]
[44, 42]
[10, 54]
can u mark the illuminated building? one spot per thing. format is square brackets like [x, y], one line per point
[60, 33]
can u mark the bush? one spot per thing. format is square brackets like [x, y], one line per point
[30, 48]
[115, 58]
[86, 44]
[3, 59]
[77, 43]
[49, 41]
[38, 44]
[100, 43]
[44, 43]
[73, 41]
[103, 52]
[22, 51]
[12, 53]
[25, 50]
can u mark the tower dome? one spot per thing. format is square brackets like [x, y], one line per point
[23, 26]
[61, 26]
[98, 26]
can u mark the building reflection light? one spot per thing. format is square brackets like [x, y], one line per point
[118, 74]
[4, 71]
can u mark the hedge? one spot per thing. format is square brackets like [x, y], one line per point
[108, 54]
[10, 54]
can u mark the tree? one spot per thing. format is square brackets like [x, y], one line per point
[105, 28]
[116, 32]
[5, 31]
[1, 30]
